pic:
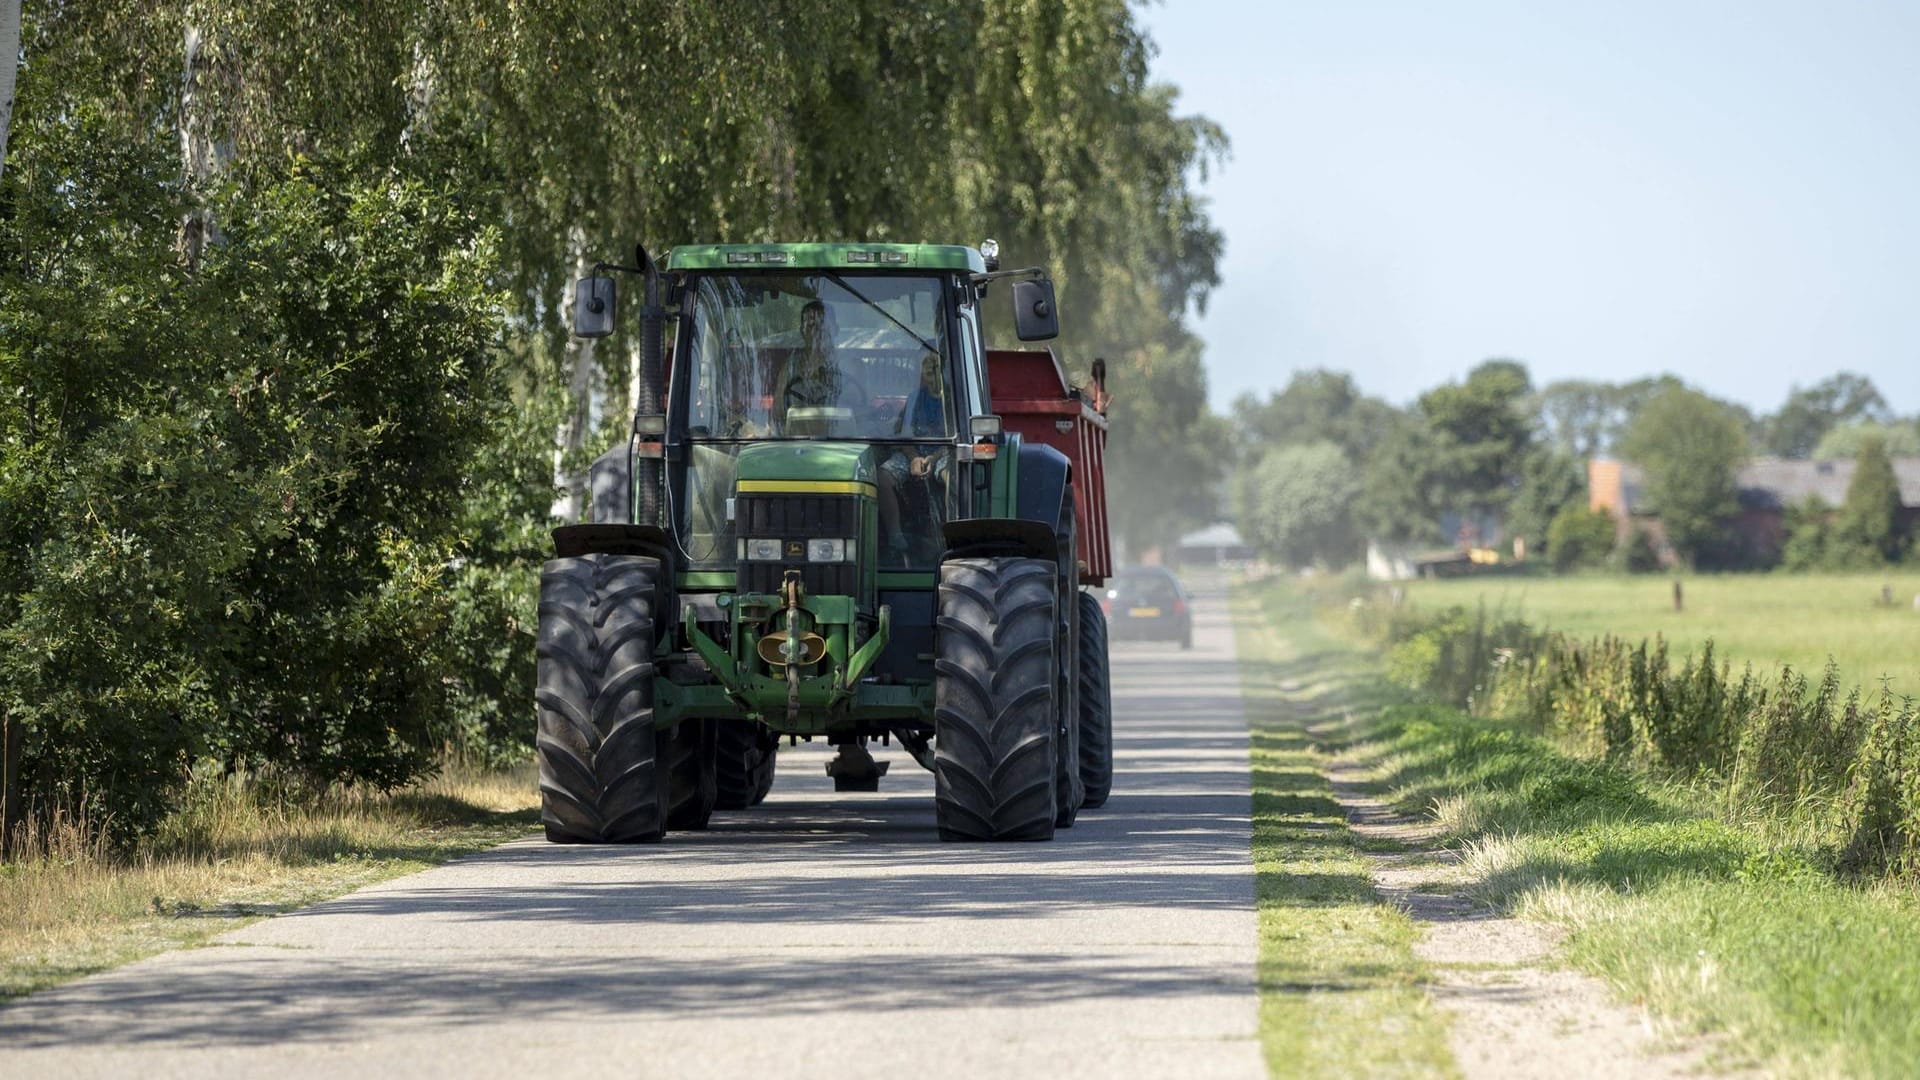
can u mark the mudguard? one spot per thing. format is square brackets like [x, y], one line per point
[981, 537]
[1040, 489]
[570, 541]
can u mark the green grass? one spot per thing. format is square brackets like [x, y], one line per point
[1718, 926]
[1340, 988]
[1710, 923]
[1765, 619]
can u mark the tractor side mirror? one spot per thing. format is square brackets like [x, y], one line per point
[1034, 317]
[593, 304]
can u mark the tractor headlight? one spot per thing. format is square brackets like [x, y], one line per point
[761, 550]
[829, 550]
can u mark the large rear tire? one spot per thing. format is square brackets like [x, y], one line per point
[601, 775]
[995, 723]
[1096, 704]
[692, 787]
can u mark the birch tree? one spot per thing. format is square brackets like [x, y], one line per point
[9, 69]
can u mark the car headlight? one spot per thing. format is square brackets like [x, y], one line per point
[761, 550]
[829, 550]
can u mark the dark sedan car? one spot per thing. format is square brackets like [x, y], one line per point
[1148, 603]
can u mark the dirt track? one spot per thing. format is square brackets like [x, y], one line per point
[1513, 1012]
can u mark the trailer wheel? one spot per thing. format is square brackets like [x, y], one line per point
[691, 784]
[995, 726]
[1069, 792]
[1096, 704]
[601, 779]
[743, 764]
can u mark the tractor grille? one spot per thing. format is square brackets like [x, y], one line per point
[799, 517]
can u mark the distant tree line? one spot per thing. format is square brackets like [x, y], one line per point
[1321, 468]
[286, 393]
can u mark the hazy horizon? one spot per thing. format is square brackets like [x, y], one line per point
[1716, 189]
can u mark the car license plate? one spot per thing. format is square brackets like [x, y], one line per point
[1144, 612]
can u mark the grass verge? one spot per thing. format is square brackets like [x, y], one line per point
[230, 856]
[1340, 988]
[1715, 924]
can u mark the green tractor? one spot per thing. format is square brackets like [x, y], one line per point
[839, 516]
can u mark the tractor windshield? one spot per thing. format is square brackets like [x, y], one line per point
[821, 355]
[817, 355]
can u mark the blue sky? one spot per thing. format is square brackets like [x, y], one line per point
[1726, 190]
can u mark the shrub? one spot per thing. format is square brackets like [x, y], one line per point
[1636, 555]
[1579, 537]
[232, 490]
[1790, 747]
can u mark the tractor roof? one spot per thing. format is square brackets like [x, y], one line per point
[826, 256]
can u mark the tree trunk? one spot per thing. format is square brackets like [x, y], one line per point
[422, 84]
[9, 69]
[583, 377]
[10, 794]
[201, 155]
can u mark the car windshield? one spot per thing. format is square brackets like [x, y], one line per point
[817, 355]
[1145, 588]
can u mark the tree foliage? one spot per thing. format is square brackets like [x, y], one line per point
[1900, 438]
[1314, 406]
[1870, 530]
[1295, 504]
[1551, 482]
[277, 498]
[229, 488]
[1690, 445]
[1297, 521]
[1811, 412]
[1586, 418]
[1481, 436]
[1452, 464]
[1579, 537]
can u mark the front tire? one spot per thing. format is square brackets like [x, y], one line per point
[995, 726]
[601, 775]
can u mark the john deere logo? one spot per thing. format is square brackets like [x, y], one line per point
[796, 549]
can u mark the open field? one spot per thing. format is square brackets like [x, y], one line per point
[1721, 927]
[1796, 619]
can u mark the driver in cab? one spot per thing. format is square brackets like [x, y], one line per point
[816, 394]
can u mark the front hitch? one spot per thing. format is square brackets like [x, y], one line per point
[764, 670]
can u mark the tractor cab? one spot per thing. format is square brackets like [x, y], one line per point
[780, 366]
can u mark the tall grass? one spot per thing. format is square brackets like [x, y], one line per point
[1838, 763]
[238, 846]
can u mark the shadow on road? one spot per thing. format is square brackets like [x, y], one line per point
[811, 903]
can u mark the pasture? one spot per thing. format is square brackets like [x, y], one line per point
[1765, 619]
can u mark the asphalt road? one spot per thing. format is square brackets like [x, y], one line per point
[817, 935]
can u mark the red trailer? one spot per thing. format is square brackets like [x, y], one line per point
[1033, 397]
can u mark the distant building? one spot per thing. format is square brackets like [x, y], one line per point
[1766, 486]
[1219, 544]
